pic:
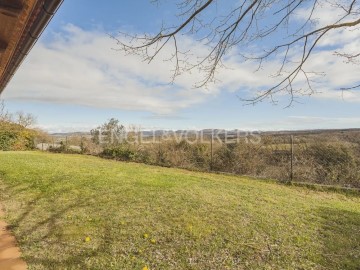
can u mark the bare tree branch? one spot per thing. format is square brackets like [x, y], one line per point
[239, 26]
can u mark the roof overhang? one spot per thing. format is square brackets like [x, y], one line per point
[21, 24]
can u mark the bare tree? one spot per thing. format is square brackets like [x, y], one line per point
[24, 119]
[4, 114]
[21, 118]
[289, 26]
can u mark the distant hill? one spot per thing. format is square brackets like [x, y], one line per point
[150, 133]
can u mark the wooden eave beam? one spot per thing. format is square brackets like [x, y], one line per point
[3, 46]
[10, 11]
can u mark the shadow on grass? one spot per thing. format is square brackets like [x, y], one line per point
[340, 236]
[42, 217]
[47, 231]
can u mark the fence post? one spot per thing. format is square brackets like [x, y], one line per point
[292, 158]
[211, 150]
[159, 162]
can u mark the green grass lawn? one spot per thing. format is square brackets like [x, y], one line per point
[82, 212]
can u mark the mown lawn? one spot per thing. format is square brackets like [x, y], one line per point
[81, 212]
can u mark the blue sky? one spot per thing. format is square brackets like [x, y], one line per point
[73, 80]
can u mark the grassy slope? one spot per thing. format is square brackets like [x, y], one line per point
[192, 220]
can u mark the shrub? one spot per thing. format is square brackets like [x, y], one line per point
[121, 152]
[7, 139]
[334, 163]
[16, 137]
[63, 148]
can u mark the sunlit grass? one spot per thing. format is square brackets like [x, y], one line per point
[81, 212]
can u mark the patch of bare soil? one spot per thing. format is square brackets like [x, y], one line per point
[9, 252]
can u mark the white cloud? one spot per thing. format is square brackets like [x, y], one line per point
[79, 67]
[305, 122]
[66, 127]
[326, 12]
[338, 73]
[344, 121]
